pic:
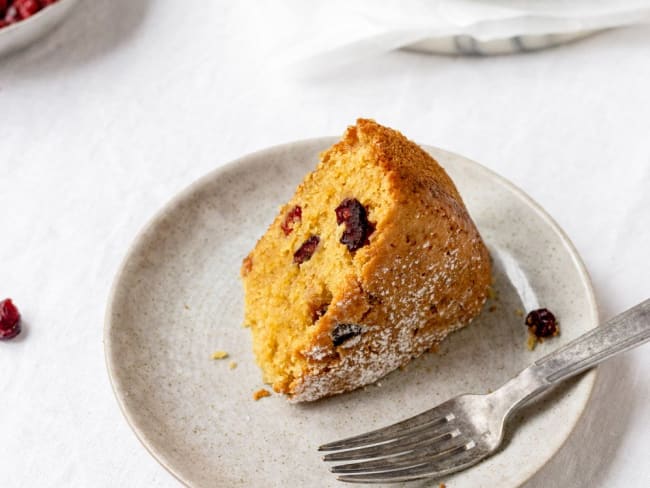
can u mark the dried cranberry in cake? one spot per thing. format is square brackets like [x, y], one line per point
[344, 332]
[357, 227]
[305, 252]
[9, 320]
[542, 323]
[294, 215]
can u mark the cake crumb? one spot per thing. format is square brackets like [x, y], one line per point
[442, 485]
[247, 266]
[219, 355]
[492, 308]
[532, 342]
[186, 306]
[232, 365]
[261, 393]
[519, 312]
[491, 293]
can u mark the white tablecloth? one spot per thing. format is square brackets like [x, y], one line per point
[130, 101]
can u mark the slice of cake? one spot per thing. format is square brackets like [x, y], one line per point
[371, 263]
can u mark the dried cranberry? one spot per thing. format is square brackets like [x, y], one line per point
[294, 215]
[542, 323]
[305, 252]
[9, 320]
[12, 15]
[27, 8]
[357, 227]
[344, 332]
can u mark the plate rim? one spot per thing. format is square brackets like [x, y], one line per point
[589, 378]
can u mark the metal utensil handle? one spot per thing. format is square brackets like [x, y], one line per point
[623, 332]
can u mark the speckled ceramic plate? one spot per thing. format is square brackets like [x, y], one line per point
[178, 298]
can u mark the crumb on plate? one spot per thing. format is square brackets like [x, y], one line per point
[232, 365]
[219, 355]
[491, 294]
[261, 393]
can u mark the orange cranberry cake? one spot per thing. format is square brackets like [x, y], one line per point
[371, 263]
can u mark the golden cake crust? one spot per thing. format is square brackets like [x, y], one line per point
[424, 273]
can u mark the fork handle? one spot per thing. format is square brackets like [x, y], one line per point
[623, 332]
[619, 334]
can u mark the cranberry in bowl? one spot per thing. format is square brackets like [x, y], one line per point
[24, 21]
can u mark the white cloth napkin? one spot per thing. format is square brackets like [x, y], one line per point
[312, 35]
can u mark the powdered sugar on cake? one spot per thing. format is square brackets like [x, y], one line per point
[381, 350]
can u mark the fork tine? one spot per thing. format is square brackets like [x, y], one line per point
[462, 458]
[423, 454]
[405, 444]
[439, 414]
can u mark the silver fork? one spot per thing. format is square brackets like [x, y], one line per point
[466, 429]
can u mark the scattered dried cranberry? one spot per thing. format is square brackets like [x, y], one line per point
[9, 320]
[305, 252]
[357, 228]
[344, 332]
[542, 323]
[294, 215]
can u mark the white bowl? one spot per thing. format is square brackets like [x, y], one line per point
[26, 31]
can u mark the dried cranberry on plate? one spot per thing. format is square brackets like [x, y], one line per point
[542, 323]
[9, 320]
